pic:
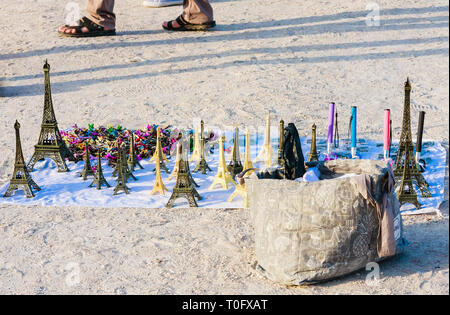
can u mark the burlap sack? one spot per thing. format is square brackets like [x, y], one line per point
[311, 232]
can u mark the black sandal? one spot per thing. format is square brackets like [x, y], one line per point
[94, 29]
[186, 26]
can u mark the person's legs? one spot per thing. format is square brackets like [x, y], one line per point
[101, 12]
[197, 11]
[101, 16]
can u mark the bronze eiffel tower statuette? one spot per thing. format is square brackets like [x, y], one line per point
[406, 192]
[313, 156]
[280, 146]
[20, 178]
[121, 183]
[202, 164]
[184, 187]
[99, 178]
[132, 158]
[235, 165]
[87, 169]
[50, 144]
[405, 155]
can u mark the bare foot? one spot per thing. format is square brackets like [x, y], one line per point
[174, 24]
[72, 29]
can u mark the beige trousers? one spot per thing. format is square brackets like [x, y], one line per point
[101, 12]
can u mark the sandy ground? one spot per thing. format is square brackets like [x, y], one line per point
[287, 57]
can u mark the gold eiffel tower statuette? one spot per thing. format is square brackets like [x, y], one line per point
[223, 176]
[158, 155]
[247, 159]
[406, 192]
[159, 185]
[99, 178]
[405, 155]
[280, 146]
[313, 156]
[235, 165]
[185, 159]
[158, 149]
[121, 182]
[176, 168]
[50, 144]
[132, 158]
[184, 187]
[196, 155]
[21, 179]
[266, 151]
[87, 169]
[202, 165]
[240, 190]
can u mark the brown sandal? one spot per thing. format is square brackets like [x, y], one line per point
[94, 29]
[186, 26]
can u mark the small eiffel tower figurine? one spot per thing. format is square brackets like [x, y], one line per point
[20, 177]
[235, 165]
[87, 170]
[176, 168]
[196, 155]
[240, 190]
[158, 155]
[406, 192]
[266, 151]
[132, 158]
[159, 185]
[313, 156]
[50, 144]
[183, 187]
[223, 176]
[405, 155]
[99, 178]
[280, 146]
[202, 164]
[121, 183]
[248, 159]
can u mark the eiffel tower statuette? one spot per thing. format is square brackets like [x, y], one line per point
[50, 144]
[235, 165]
[20, 177]
[158, 149]
[406, 192]
[132, 158]
[405, 155]
[87, 169]
[240, 190]
[202, 164]
[247, 159]
[196, 151]
[223, 176]
[266, 151]
[280, 146]
[99, 178]
[184, 186]
[121, 183]
[313, 156]
[159, 155]
[159, 185]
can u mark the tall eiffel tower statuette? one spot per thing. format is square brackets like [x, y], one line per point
[247, 156]
[313, 156]
[406, 192]
[202, 165]
[121, 183]
[132, 158]
[280, 145]
[50, 144]
[223, 176]
[159, 155]
[266, 151]
[405, 155]
[20, 177]
[235, 165]
[87, 169]
[184, 186]
[99, 178]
